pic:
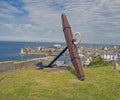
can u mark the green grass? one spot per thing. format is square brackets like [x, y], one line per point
[101, 83]
[99, 62]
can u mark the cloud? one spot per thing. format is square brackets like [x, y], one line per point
[112, 35]
[39, 20]
[6, 10]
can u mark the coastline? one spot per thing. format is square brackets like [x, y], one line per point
[10, 50]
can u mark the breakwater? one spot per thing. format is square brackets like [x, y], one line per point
[12, 65]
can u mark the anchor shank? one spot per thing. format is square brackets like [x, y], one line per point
[50, 64]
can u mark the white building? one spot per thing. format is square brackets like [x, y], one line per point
[57, 45]
[109, 57]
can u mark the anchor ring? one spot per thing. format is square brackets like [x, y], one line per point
[77, 41]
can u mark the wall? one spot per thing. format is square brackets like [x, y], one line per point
[5, 66]
[10, 65]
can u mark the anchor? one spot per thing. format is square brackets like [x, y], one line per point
[72, 46]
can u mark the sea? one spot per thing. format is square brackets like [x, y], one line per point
[9, 50]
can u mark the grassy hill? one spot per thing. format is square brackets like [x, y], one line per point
[101, 83]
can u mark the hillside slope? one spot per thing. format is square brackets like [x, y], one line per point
[101, 83]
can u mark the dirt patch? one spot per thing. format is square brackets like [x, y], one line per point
[2, 78]
[56, 69]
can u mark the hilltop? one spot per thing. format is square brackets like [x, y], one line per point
[101, 83]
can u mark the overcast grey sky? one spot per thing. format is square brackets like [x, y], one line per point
[40, 20]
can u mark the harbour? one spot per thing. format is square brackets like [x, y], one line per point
[12, 50]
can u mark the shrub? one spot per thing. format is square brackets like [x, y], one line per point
[99, 62]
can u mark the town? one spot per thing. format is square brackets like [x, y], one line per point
[86, 53]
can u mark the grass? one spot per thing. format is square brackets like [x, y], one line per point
[101, 83]
[99, 62]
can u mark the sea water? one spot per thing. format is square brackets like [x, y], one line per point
[9, 50]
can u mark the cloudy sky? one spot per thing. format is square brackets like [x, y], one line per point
[40, 20]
